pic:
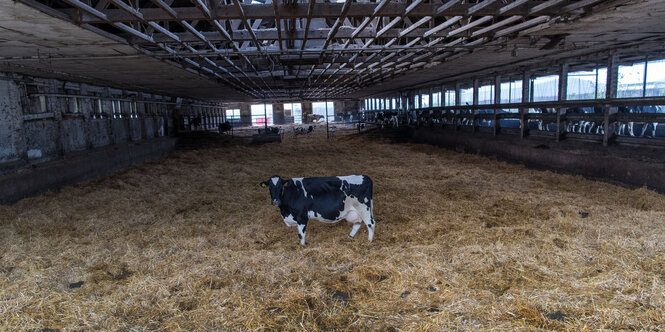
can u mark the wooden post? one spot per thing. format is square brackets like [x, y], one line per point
[562, 96]
[457, 103]
[327, 128]
[497, 100]
[265, 117]
[526, 77]
[610, 93]
[474, 123]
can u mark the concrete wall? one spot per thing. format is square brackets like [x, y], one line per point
[607, 166]
[12, 145]
[46, 119]
[346, 110]
[306, 109]
[79, 167]
[278, 113]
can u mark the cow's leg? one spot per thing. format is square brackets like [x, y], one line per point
[354, 217]
[301, 232]
[365, 213]
[354, 230]
[370, 229]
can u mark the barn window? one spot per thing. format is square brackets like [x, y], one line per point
[631, 80]
[486, 94]
[449, 99]
[466, 96]
[320, 109]
[73, 105]
[587, 84]
[42, 104]
[424, 100]
[511, 92]
[261, 113]
[233, 115]
[416, 102]
[436, 99]
[100, 110]
[295, 110]
[545, 88]
[394, 102]
[655, 84]
[117, 109]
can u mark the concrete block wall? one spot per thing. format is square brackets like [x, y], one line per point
[12, 139]
[46, 119]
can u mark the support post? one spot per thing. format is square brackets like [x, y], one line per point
[327, 128]
[457, 103]
[497, 100]
[610, 93]
[474, 123]
[526, 77]
[562, 96]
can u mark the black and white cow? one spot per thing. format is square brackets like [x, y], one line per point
[326, 199]
[302, 130]
[269, 131]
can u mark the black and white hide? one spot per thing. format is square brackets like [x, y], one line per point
[325, 199]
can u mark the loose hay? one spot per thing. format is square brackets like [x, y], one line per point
[192, 243]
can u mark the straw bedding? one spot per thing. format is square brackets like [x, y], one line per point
[463, 242]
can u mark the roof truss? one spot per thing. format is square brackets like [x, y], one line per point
[286, 49]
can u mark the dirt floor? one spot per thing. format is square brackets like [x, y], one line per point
[463, 242]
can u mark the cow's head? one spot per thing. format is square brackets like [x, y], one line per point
[276, 185]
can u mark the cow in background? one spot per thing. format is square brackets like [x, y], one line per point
[628, 128]
[302, 130]
[224, 127]
[269, 131]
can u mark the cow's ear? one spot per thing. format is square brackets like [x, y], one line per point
[263, 184]
[286, 183]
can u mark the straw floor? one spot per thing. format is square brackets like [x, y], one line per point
[190, 242]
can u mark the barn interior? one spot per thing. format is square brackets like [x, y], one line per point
[516, 149]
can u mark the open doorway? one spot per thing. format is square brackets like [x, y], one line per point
[319, 108]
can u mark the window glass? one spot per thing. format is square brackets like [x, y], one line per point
[450, 98]
[587, 84]
[511, 92]
[655, 78]
[466, 96]
[233, 115]
[424, 100]
[320, 109]
[261, 113]
[436, 99]
[545, 88]
[630, 80]
[486, 95]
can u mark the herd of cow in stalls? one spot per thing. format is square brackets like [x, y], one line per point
[574, 124]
